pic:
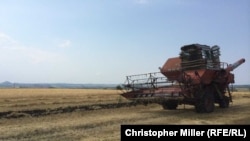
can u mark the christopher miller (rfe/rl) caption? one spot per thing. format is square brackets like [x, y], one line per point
[163, 132]
[239, 132]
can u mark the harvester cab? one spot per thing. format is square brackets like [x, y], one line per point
[196, 77]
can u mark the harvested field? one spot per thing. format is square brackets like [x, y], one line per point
[26, 99]
[95, 115]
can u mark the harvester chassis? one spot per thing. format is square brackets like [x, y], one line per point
[196, 77]
[202, 96]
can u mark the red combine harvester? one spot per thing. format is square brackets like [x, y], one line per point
[196, 77]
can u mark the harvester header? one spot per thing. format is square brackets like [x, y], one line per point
[196, 77]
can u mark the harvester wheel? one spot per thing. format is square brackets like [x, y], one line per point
[224, 103]
[170, 105]
[205, 103]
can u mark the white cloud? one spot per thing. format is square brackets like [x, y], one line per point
[12, 52]
[141, 1]
[6, 41]
[4, 37]
[65, 43]
[40, 56]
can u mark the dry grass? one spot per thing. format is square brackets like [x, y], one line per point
[26, 99]
[104, 124]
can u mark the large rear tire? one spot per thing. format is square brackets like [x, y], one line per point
[170, 105]
[224, 103]
[205, 101]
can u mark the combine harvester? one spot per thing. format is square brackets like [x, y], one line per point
[196, 77]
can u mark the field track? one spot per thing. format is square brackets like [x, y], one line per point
[69, 109]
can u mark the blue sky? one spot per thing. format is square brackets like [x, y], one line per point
[97, 41]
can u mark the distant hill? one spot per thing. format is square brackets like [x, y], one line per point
[242, 86]
[8, 84]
